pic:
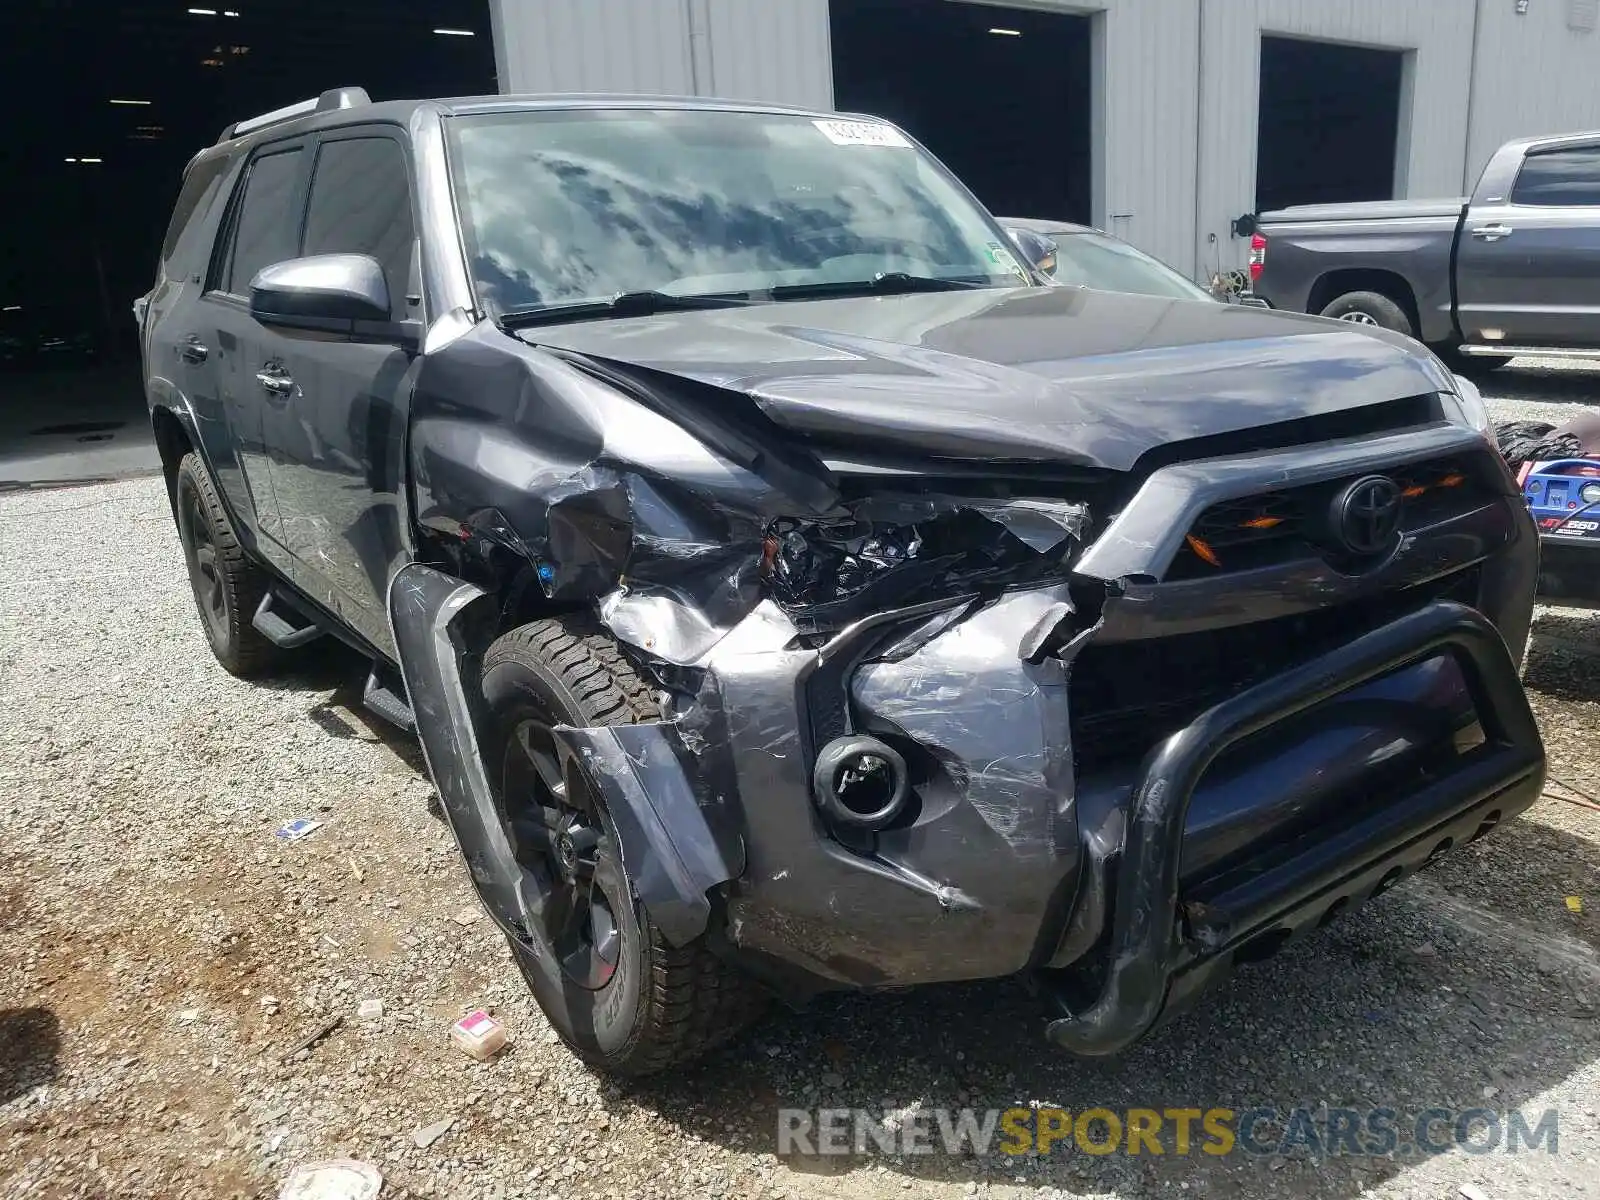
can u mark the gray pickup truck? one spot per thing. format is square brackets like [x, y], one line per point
[1514, 269]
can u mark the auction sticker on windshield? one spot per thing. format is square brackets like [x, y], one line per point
[862, 133]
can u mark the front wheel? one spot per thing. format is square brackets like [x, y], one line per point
[624, 999]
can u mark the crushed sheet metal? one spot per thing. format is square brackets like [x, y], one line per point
[1005, 741]
[657, 509]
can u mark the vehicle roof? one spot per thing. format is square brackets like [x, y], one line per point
[400, 112]
[1548, 141]
[1042, 225]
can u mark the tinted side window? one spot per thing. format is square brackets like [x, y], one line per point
[265, 227]
[200, 185]
[361, 204]
[1559, 177]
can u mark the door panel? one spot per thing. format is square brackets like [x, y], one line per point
[261, 228]
[1528, 271]
[237, 343]
[338, 441]
[338, 430]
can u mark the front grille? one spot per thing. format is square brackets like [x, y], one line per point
[1293, 523]
[1127, 696]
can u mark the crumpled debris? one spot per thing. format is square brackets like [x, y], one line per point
[891, 551]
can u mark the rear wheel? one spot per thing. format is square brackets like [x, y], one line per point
[227, 586]
[619, 994]
[1370, 308]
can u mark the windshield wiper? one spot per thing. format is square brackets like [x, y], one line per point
[623, 304]
[886, 283]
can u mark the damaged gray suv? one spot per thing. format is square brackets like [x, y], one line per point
[794, 591]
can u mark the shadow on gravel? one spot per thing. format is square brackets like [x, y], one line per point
[1562, 657]
[1542, 385]
[1471, 986]
[331, 666]
[30, 1044]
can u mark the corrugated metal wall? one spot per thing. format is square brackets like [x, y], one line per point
[1535, 73]
[1438, 32]
[1176, 84]
[772, 50]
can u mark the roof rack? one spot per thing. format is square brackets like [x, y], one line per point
[334, 98]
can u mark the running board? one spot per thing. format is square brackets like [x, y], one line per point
[1485, 351]
[380, 698]
[279, 632]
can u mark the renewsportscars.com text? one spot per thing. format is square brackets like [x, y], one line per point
[1358, 1132]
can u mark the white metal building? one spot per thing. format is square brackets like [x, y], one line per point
[1183, 101]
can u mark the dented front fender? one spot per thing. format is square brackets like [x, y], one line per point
[442, 626]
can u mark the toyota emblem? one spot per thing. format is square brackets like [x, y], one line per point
[1367, 514]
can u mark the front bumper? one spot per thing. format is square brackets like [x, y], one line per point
[1167, 942]
[1297, 796]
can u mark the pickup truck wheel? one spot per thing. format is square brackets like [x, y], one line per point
[1370, 308]
[227, 586]
[624, 999]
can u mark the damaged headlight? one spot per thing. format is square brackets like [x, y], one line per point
[893, 551]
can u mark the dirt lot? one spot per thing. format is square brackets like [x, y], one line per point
[162, 954]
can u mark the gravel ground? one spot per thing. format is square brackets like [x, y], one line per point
[162, 955]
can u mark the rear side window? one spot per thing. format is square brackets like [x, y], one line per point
[265, 227]
[200, 184]
[1560, 177]
[361, 204]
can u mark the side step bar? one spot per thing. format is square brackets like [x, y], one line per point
[1487, 351]
[382, 699]
[271, 625]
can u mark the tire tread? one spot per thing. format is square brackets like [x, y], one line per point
[692, 1000]
[251, 653]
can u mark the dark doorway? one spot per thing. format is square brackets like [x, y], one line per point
[111, 101]
[1330, 123]
[1002, 95]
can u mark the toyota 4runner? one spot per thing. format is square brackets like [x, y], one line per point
[793, 590]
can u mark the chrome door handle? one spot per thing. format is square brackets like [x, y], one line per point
[277, 384]
[192, 351]
[1492, 233]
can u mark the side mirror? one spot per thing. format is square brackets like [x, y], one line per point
[1039, 250]
[322, 291]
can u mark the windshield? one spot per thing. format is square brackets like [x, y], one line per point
[1109, 265]
[563, 206]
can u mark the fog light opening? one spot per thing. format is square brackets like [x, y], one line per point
[861, 782]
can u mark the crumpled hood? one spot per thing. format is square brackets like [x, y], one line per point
[1021, 375]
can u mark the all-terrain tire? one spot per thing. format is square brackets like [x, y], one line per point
[1370, 308]
[665, 1004]
[227, 586]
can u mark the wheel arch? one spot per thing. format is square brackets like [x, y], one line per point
[1333, 284]
[174, 440]
[442, 626]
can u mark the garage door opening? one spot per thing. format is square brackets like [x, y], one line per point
[1330, 123]
[1002, 95]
